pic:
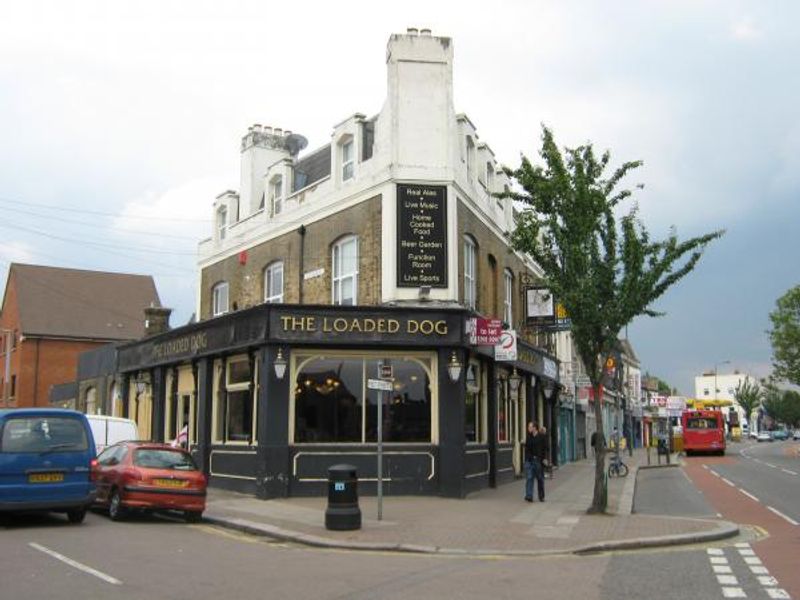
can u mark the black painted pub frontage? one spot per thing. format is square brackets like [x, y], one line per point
[274, 395]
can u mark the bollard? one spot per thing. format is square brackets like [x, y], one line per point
[343, 513]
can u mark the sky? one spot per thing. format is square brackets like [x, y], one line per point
[121, 121]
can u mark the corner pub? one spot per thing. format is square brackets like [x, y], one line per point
[275, 394]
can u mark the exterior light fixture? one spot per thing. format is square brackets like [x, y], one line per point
[454, 367]
[279, 364]
[141, 386]
[514, 381]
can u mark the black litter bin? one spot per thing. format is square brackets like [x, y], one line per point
[343, 513]
[662, 447]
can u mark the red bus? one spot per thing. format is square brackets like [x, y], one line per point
[703, 431]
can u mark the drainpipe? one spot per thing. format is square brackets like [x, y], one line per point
[301, 263]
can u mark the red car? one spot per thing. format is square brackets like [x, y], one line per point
[149, 476]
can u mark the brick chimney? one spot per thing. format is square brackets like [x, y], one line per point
[156, 320]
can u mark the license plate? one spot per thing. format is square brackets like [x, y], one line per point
[45, 477]
[171, 483]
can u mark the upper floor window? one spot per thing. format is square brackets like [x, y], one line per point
[489, 176]
[470, 151]
[222, 221]
[219, 299]
[348, 163]
[470, 275]
[276, 195]
[508, 286]
[273, 283]
[345, 271]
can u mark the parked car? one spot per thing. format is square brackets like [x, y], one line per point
[753, 434]
[149, 476]
[796, 435]
[107, 431]
[764, 436]
[780, 435]
[46, 456]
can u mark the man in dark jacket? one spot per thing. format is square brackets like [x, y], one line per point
[535, 452]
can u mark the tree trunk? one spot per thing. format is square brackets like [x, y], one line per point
[600, 496]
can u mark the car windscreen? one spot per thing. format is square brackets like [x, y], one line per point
[156, 458]
[43, 434]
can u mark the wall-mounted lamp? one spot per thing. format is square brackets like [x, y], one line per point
[141, 387]
[280, 364]
[549, 388]
[454, 367]
[514, 380]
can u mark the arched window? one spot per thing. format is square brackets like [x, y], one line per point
[470, 273]
[273, 282]
[219, 299]
[345, 271]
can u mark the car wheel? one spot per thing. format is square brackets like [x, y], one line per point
[77, 515]
[193, 516]
[115, 509]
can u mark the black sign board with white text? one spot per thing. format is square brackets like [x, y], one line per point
[421, 235]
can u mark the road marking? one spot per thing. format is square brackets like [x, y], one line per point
[742, 545]
[767, 580]
[752, 560]
[746, 552]
[705, 467]
[771, 466]
[729, 482]
[714, 473]
[721, 569]
[733, 592]
[727, 580]
[715, 551]
[780, 514]
[778, 593]
[759, 570]
[789, 472]
[748, 494]
[718, 560]
[76, 564]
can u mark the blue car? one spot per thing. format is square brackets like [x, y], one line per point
[780, 434]
[45, 461]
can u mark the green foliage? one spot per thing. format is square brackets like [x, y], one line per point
[785, 336]
[783, 405]
[605, 270]
[749, 395]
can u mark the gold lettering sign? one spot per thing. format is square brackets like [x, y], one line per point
[362, 325]
[182, 345]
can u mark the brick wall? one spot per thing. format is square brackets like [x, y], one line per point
[246, 282]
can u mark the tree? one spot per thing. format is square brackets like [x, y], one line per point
[605, 272]
[785, 336]
[748, 395]
[783, 406]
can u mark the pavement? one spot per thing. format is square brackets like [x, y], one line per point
[490, 522]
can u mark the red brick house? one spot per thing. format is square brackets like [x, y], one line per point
[50, 315]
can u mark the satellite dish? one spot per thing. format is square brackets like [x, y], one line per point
[295, 143]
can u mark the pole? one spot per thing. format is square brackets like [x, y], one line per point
[6, 378]
[380, 455]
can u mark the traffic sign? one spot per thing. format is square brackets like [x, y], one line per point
[379, 384]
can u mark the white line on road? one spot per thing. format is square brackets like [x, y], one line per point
[76, 564]
[771, 466]
[727, 580]
[780, 514]
[778, 593]
[729, 482]
[715, 551]
[733, 592]
[789, 472]
[759, 570]
[705, 467]
[767, 580]
[714, 473]
[748, 494]
[719, 569]
[718, 560]
[746, 552]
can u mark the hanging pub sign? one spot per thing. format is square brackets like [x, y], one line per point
[543, 312]
[421, 236]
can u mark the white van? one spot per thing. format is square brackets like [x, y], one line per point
[110, 430]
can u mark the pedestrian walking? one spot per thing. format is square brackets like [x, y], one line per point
[535, 454]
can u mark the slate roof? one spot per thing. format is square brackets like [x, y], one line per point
[73, 303]
[312, 168]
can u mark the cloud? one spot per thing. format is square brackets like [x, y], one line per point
[744, 29]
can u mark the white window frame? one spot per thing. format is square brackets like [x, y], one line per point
[219, 437]
[337, 276]
[470, 259]
[272, 295]
[222, 222]
[216, 292]
[508, 286]
[276, 195]
[348, 158]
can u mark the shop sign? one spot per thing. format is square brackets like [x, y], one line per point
[506, 348]
[421, 236]
[484, 332]
[550, 368]
[676, 403]
[379, 384]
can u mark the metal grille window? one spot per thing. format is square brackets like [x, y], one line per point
[273, 283]
[345, 271]
[469, 272]
[219, 298]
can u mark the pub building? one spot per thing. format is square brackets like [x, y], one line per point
[381, 255]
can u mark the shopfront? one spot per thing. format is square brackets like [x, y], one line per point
[274, 395]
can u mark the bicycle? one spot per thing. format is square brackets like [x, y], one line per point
[616, 467]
